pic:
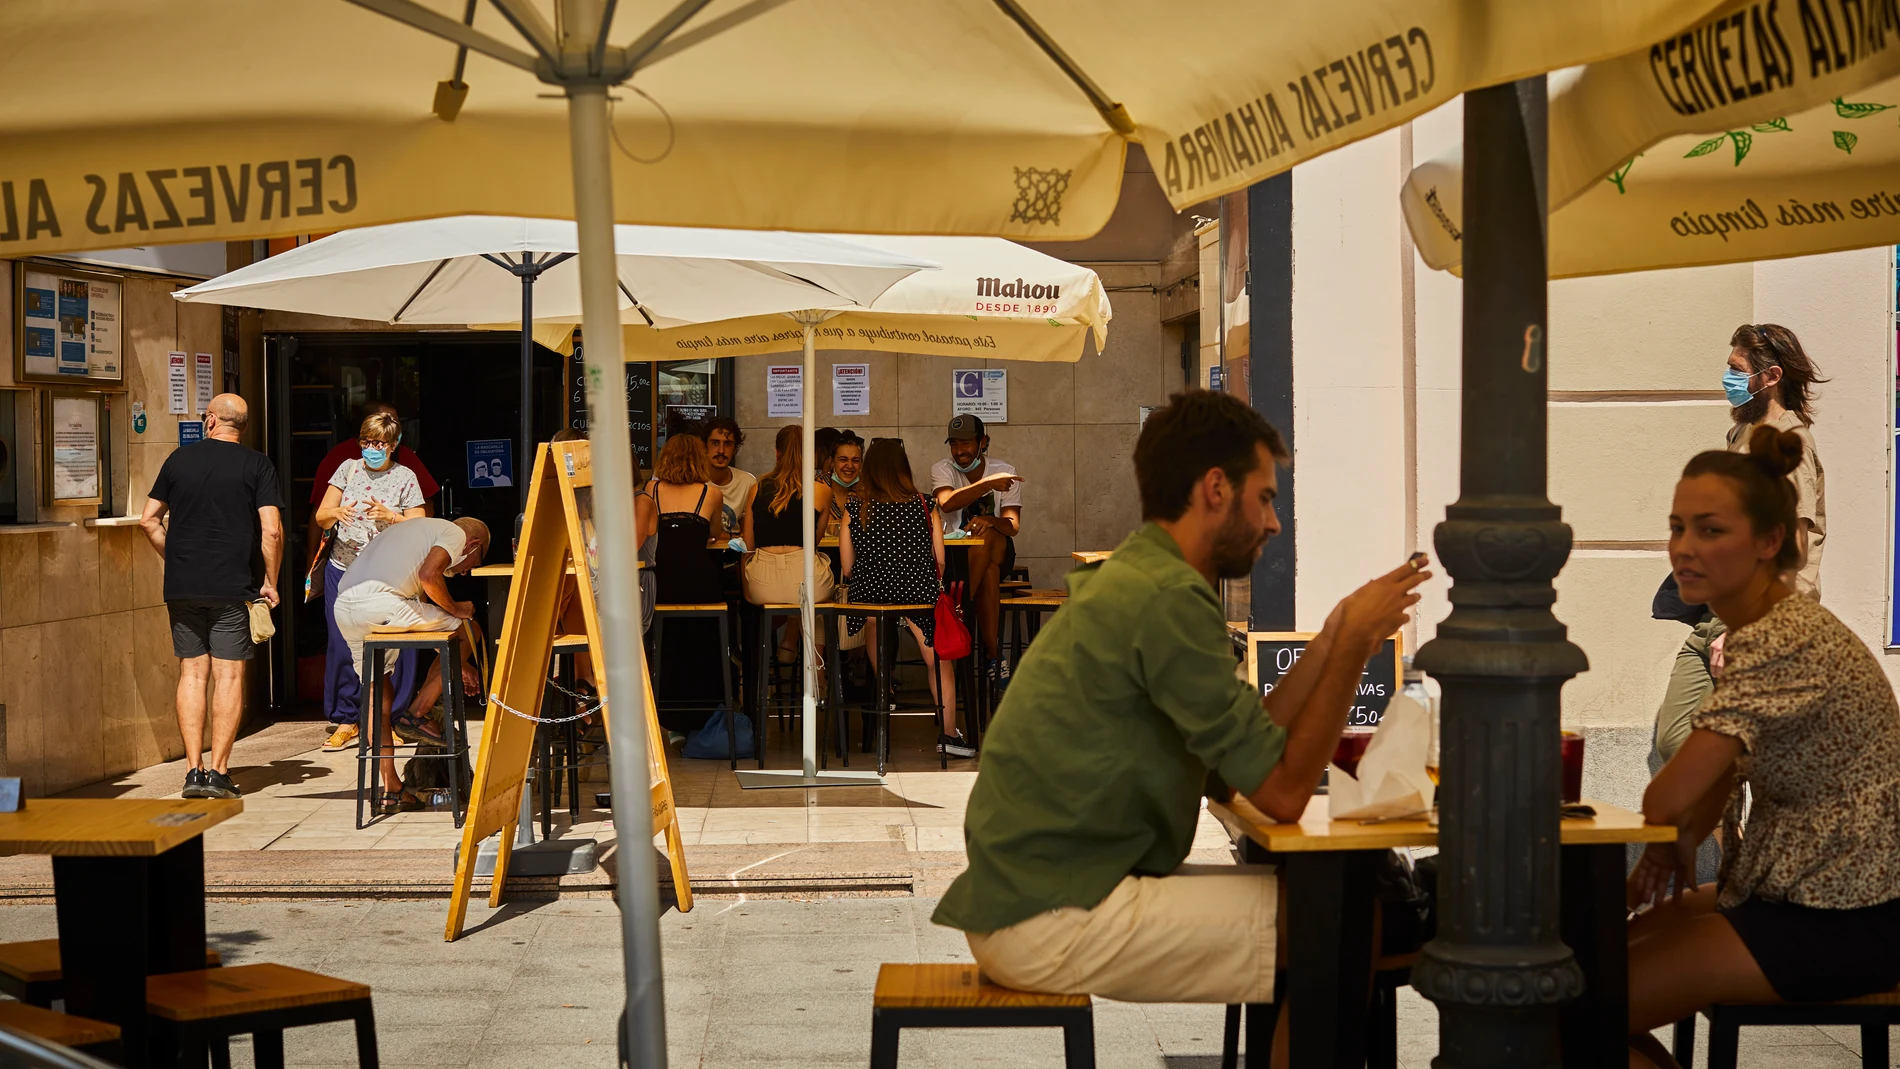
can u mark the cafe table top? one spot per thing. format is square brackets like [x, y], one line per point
[1091, 556]
[493, 571]
[1317, 831]
[110, 827]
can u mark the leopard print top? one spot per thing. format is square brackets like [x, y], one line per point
[1820, 735]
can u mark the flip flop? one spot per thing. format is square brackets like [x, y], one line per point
[410, 729]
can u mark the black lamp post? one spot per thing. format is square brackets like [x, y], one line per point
[1498, 970]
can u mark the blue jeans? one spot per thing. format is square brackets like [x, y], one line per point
[342, 691]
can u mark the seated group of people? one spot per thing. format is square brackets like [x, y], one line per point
[890, 542]
[1085, 806]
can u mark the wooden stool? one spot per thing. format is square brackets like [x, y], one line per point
[1024, 617]
[79, 1033]
[886, 658]
[1873, 1013]
[722, 612]
[454, 729]
[765, 672]
[192, 1010]
[957, 996]
[30, 971]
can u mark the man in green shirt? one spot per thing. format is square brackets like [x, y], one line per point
[1089, 791]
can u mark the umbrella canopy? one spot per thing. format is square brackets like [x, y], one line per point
[444, 271]
[990, 299]
[1756, 133]
[207, 120]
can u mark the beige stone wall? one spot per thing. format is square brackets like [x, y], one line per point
[86, 669]
[1071, 430]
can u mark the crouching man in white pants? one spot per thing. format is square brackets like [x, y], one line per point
[397, 584]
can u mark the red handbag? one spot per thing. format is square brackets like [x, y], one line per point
[952, 636]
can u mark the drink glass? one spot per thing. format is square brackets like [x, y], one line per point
[1351, 748]
[1572, 742]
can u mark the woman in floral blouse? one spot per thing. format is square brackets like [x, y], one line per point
[1807, 904]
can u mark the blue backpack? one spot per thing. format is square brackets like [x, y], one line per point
[710, 741]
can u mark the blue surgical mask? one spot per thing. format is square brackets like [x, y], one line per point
[1735, 384]
[841, 482]
[375, 458]
[967, 468]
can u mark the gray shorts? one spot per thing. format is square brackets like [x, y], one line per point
[219, 628]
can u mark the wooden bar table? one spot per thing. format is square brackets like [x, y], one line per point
[129, 892]
[1091, 556]
[1328, 866]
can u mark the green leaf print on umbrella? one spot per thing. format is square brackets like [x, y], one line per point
[1742, 139]
[1617, 176]
[1772, 126]
[1857, 111]
[1845, 141]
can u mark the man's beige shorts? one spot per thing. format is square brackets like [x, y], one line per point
[1204, 934]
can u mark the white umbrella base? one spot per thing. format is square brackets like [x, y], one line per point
[792, 777]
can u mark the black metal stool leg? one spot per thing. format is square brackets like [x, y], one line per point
[1078, 1041]
[1684, 1040]
[1873, 1046]
[366, 1057]
[267, 1048]
[455, 726]
[725, 681]
[884, 1037]
[1230, 1038]
[1262, 1018]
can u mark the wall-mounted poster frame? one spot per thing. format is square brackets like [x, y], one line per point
[74, 460]
[67, 324]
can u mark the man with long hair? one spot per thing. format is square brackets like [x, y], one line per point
[1085, 804]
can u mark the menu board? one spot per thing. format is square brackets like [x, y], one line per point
[639, 384]
[69, 326]
[1271, 654]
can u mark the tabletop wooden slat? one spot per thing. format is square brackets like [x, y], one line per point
[61, 1028]
[110, 827]
[958, 985]
[1317, 832]
[1091, 556]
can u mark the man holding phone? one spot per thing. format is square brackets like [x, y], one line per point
[1085, 805]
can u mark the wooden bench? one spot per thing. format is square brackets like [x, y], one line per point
[194, 1010]
[30, 971]
[958, 996]
[79, 1033]
[1873, 1013]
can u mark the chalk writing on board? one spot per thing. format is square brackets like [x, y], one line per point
[639, 404]
[1272, 654]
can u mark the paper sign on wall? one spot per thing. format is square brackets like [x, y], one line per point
[981, 392]
[490, 462]
[850, 389]
[176, 371]
[204, 382]
[784, 390]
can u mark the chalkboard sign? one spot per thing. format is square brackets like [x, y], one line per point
[1270, 654]
[639, 404]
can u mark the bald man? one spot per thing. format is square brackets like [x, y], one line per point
[221, 552]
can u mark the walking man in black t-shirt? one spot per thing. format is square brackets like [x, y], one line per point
[221, 553]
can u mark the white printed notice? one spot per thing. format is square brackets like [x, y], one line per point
[177, 370]
[981, 392]
[75, 449]
[784, 391]
[850, 389]
[203, 381]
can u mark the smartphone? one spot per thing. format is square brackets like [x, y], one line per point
[1417, 560]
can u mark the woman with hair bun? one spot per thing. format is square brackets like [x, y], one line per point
[1806, 908]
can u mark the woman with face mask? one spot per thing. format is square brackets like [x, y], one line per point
[1768, 381]
[1806, 907]
[364, 498]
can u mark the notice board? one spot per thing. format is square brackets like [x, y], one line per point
[1271, 654]
[66, 326]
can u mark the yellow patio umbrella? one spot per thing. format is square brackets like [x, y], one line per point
[1763, 130]
[129, 123]
[232, 119]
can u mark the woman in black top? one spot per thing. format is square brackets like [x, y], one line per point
[688, 506]
[774, 532]
[892, 549]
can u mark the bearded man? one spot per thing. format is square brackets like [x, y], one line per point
[1085, 805]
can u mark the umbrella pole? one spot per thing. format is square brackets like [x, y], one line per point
[807, 774]
[643, 1027]
[522, 467]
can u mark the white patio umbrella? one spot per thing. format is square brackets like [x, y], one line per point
[463, 268]
[987, 299]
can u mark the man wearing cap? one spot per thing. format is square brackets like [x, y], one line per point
[399, 583]
[979, 495]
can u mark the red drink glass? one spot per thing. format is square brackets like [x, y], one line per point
[1352, 747]
[1573, 766]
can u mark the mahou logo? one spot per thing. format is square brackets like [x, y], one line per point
[996, 287]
